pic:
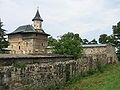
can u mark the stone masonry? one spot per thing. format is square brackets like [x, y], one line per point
[18, 72]
[29, 39]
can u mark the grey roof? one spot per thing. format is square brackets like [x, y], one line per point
[37, 16]
[94, 45]
[27, 29]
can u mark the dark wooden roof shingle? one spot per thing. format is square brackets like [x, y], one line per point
[27, 29]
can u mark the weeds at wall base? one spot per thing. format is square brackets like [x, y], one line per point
[72, 80]
[99, 69]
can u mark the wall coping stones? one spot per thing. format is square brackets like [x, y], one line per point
[42, 56]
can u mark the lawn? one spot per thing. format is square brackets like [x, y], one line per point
[108, 80]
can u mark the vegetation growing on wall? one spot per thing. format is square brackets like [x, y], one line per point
[21, 65]
[108, 80]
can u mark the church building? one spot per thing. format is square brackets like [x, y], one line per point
[29, 39]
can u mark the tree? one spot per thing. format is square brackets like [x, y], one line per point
[103, 39]
[116, 34]
[2, 32]
[111, 40]
[85, 41]
[69, 44]
[93, 42]
[3, 42]
[51, 41]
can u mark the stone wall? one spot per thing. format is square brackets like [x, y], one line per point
[18, 72]
[27, 43]
[99, 49]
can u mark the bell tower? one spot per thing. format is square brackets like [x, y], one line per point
[37, 22]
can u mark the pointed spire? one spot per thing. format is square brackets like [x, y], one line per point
[37, 16]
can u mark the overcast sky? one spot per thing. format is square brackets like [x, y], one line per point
[89, 18]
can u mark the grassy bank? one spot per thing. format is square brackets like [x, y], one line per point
[108, 80]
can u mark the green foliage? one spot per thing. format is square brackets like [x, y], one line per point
[2, 32]
[29, 87]
[3, 42]
[51, 41]
[103, 39]
[85, 41]
[67, 72]
[100, 66]
[93, 42]
[112, 39]
[108, 80]
[91, 71]
[69, 44]
[21, 65]
[116, 33]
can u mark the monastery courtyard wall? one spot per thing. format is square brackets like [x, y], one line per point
[41, 71]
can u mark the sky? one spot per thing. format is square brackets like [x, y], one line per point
[89, 18]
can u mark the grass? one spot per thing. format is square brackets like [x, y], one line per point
[108, 80]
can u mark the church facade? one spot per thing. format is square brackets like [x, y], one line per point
[29, 39]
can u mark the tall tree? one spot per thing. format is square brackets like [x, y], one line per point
[116, 34]
[69, 44]
[3, 42]
[2, 32]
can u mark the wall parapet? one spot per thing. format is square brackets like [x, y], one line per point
[23, 56]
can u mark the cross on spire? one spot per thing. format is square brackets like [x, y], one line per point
[37, 7]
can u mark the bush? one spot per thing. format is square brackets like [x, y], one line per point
[99, 66]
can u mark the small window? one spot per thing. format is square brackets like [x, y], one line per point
[42, 44]
[19, 47]
[36, 34]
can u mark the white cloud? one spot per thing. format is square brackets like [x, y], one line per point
[60, 16]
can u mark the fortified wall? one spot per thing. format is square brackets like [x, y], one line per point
[18, 72]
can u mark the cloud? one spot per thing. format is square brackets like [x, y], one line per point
[61, 16]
